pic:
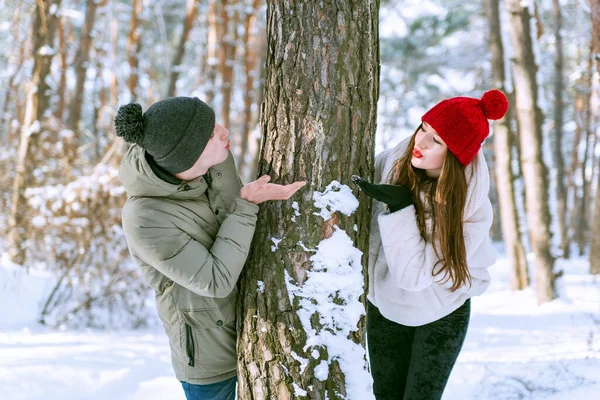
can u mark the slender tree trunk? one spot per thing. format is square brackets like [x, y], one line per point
[213, 37]
[250, 72]
[17, 55]
[64, 65]
[534, 171]
[38, 93]
[134, 44]
[114, 43]
[595, 246]
[81, 65]
[188, 23]
[503, 146]
[581, 226]
[557, 144]
[318, 125]
[229, 22]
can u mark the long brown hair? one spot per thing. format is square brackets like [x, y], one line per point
[445, 198]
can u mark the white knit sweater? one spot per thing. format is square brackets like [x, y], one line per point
[401, 284]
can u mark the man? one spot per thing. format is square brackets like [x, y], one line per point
[189, 223]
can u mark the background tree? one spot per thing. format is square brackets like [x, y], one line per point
[318, 125]
[503, 151]
[595, 246]
[530, 128]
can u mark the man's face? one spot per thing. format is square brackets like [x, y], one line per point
[215, 152]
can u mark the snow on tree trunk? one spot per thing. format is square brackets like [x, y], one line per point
[299, 315]
[503, 146]
[530, 120]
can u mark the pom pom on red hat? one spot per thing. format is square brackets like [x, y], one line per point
[494, 104]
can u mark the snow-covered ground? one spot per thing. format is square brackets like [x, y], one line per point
[514, 348]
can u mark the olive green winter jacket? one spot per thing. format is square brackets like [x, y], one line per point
[191, 241]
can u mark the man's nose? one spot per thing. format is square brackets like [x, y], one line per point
[224, 134]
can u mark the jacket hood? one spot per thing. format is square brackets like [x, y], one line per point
[139, 180]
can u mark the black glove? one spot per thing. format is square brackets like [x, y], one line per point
[396, 197]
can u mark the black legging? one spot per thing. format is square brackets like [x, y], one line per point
[414, 362]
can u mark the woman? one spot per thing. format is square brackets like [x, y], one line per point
[430, 250]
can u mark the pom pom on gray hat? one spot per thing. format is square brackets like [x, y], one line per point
[129, 123]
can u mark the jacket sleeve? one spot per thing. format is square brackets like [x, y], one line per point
[411, 260]
[207, 272]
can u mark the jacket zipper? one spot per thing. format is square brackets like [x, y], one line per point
[189, 345]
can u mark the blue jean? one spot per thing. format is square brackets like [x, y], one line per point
[216, 391]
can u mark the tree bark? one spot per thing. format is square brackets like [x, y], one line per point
[595, 245]
[188, 23]
[318, 125]
[530, 124]
[81, 65]
[38, 93]
[503, 149]
[561, 191]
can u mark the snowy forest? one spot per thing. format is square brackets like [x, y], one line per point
[309, 90]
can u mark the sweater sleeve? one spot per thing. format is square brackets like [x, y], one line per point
[411, 260]
[207, 272]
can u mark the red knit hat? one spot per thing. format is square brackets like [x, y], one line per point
[462, 122]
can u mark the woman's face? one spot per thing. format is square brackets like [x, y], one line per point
[429, 151]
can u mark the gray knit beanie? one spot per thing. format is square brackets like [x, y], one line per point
[174, 131]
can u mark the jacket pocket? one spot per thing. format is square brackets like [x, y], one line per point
[189, 345]
[210, 339]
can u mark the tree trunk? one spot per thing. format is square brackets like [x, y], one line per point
[530, 124]
[584, 120]
[81, 65]
[212, 38]
[64, 65]
[595, 246]
[557, 144]
[318, 125]
[188, 23]
[229, 21]
[134, 45]
[503, 149]
[17, 55]
[38, 93]
[251, 58]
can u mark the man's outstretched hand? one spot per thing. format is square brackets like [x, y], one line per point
[261, 190]
[396, 197]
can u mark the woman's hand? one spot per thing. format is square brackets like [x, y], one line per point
[396, 197]
[261, 190]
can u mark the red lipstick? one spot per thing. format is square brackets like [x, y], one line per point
[417, 153]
